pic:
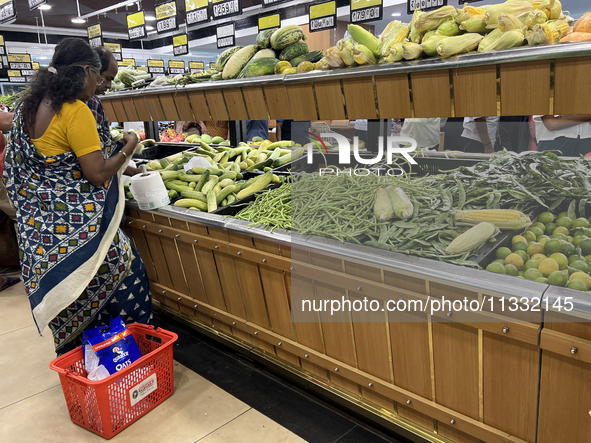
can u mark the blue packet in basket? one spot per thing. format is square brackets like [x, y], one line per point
[114, 345]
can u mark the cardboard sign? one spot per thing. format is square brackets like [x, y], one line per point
[136, 25]
[226, 8]
[269, 22]
[34, 4]
[19, 61]
[156, 66]
[196, 67]
[176, 67]
[366, 11]
[166, 18]
[197, 11]
[424, 5]
[225, 36]
[323, 16]
[7, 11]
[180, 44]
[95, 35]
[126, 62]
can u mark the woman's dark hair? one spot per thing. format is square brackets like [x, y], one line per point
[106, 56]
[64, 80]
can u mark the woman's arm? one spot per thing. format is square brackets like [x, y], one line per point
[6, 121]
[554, 123]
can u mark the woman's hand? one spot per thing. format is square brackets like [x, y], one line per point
[130, 137]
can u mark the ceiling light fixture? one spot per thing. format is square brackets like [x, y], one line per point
[396, 14]
[78, 20]
[149, 28]
[45, 7]
[150, 19]
[43, 58]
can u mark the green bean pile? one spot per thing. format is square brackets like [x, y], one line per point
[272, 208]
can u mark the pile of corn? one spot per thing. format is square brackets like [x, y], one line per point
[448, 31]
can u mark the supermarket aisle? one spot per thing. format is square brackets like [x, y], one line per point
[32, 406]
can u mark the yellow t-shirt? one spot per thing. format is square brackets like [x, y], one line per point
[73, 129]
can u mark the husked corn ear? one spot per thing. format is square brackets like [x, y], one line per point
[434, 19]
[392, 35]
[383, 209]
[467, 12]
[402, 205]
[508, 22]
[501, 218]
[363, 55]
[489, 39]
[506, 40]
[559, 25]
[535, 18]
[542, 35]
[333, 57]
[394, 54]
[472, 238]
[430, 45]
[427, 36]
[414, 35]
[411, 51]
[323, 64]
[517, 8]
[552, 9]
[474, 24]
[449, 28]
[344, 42]
[456, 45]
[347, 56]
[365, 38]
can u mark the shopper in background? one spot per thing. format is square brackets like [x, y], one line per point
[189, 128]
[532, 144]
[283, 130]
[425, 131]
[481, 134]
[216, 128]
[361, 130]
[569, 134]
[78, 267]
[257, 128]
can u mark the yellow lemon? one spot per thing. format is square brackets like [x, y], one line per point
[548, 266]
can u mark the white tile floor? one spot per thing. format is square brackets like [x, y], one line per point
[32, 406]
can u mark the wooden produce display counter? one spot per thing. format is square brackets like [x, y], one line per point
[522, 81]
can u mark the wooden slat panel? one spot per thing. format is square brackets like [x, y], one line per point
[252, 290]
[255, 103]
[308, 333]
[287, 356]
[559, 322]
[475, 91]
[431, 94]
[393, 96]
[235, 104]
[518, 97]
[129, 107]
[511, 374]
[217, 106]
[301, 101]
[199, 105]
[160, 264]
[456, 346]
[329, 98]
[109, 111]
[416, 417]
[119, 110]
[359, 98]
[142, 109]
[183, 106]
[278, 102]
[312, 368]
[344, 383]
[173, 261]
[141, 245]
[405, 282]
[564, 400]
[380, 400]
[566, 345]
[455, 435]
[192, 272]
[570, 75]
[169, 108]
[155, 108]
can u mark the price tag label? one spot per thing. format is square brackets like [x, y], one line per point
[166, 18]
[136, 25]
[226, 8]
[323, 16]
[2, 46]
[126, 62]
[197, 11]
[15, 76]
[267, 3]
[366, 11]
[34, 4]
[7, 11]
[19, 61]
[211, 65]
[156, 66]
[95, 35]
[180, 44]
[196, 67]
[143, 69]
[225, 36]
[424, 5]
[115, 49]
[35, 66]
[269, 22]
[176, 67]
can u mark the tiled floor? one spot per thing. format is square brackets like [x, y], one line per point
[218, 398]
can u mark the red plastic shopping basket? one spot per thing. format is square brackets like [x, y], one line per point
[108, 406]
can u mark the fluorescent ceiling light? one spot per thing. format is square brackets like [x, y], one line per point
[396, 14]
[78, 20]
[45, 6]
[149, 28]
[42, 58]
[150, 19]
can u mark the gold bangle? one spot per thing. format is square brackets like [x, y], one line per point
[124, 154]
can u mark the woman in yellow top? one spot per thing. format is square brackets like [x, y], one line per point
[79, 269]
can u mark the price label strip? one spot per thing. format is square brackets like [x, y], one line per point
[211, 65]
[15, 76]
[197, 11]
[156, 66]
[115, 49]
[180, 44]
[136, 25]
[34, 4]
[424, 5]
[7, 11]
[166, 18]
[95, 35]
[267, 3]
[196, 67]
[35, 66]
[226, 8]
[225, 36]
[269, 22]
[126, 62]
[323, 16]
[19, 61]
[2, 46]
[176, 67]
[366, 11]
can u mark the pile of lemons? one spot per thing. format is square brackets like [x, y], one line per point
[554, 250]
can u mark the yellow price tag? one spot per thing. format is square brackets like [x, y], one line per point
[35, 65]
[19, 58]
[165, 10]
[12, 73]
[94, 31]
[136, 19]
[113, 47]
[361, 4]
[269, 22]
[176, 64]
[323, 10]
[156, 63]
[127, 62]
[191, 5]
[179, 40]
[1, 40]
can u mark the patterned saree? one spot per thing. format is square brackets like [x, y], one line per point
[79, 269]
